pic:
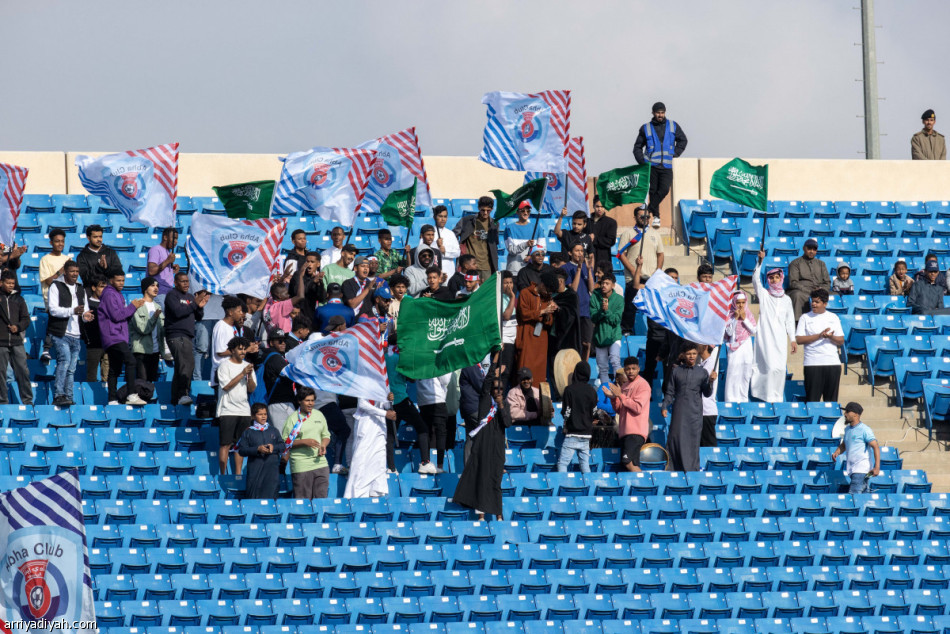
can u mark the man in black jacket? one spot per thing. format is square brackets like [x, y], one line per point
[14, 320]
[660, 152]
[603, 234]
[182, 310]
[471, 380]
[96, 258]
[580, 400]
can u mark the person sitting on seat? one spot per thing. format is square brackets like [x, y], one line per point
[926, 296]
[524, 401]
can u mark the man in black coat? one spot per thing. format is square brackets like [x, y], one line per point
[182, 311]
[14, 320]
[603, 234]
[96, 258]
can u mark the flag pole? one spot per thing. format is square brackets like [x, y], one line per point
[534, 232]
[765, 221]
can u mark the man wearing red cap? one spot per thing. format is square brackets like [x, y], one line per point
[519, 238]
[928, 144]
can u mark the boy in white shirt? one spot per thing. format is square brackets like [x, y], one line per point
[821, 334]
[235, 381]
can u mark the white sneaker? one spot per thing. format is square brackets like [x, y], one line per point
[428, 468]
[339, 470]
[185, 400]
[656, 222]
[134, 399]
[113, 402]
[439, 471]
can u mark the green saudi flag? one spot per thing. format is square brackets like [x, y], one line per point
[507, 204]
[437, 337]
[742, 183]
[246, 200]
[400, 206]
[624, 185]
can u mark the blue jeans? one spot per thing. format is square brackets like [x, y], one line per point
[571, 445]
[859, 483]
[66, 350]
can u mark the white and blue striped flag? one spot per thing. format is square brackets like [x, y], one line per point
[45, 574]
[529, 132]
[142, 184]
[697, 312]
[230, 255]
[329, 180]
[398, 162]
[575, 179]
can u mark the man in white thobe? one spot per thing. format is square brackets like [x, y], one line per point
[776, 327]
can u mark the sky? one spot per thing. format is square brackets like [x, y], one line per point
[741, 77]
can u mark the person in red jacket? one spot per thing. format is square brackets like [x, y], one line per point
[632, 404]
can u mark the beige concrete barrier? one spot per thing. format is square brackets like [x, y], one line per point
[47, 170]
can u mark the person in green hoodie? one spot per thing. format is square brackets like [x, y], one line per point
[606, 310]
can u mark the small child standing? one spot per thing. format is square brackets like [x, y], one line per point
[900, 282]
[606, 309]
[579, 403]
[843, 284]
[261, 445]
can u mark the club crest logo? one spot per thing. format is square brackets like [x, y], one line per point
[684, 308]
[383, 173]
[233, 252]
[333, 360]
[319, 175]
[129, 185]
[553, 181]
[530, 128]
[40, 589]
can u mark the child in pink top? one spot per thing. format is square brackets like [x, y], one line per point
[632, 404]
[279, 311]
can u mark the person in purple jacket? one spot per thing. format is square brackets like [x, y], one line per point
[114, 316]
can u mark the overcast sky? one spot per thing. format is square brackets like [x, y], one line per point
[742, 77]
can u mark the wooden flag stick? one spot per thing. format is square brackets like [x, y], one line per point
[765, 222]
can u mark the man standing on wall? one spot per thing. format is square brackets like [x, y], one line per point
[928, 144]
[664, 140]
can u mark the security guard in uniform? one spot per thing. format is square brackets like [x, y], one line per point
[664, 140]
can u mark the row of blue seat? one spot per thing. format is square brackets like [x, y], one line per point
[529, 607]
[266, 534]
[426, 583]
[547, 507]
[525, 555]
[812, 625]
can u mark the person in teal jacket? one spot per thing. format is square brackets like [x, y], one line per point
[606, 309]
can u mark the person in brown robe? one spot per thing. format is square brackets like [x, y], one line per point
[534, 307]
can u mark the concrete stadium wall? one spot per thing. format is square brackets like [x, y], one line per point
[47, 170]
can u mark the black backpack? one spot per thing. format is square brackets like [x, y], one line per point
[143, 388]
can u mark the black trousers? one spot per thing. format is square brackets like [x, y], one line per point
[708, 437]
[821, 383]
[407, 413]
[433, 423]
[507, 360]
[146, 366]
[120, 355]
[339, 432]
[661, 179]
[649, 368]
[629, 316]
[183, 353]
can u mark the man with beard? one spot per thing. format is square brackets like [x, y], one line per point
[479, 235]
[532, 272]
[417, 273]
[650, 248]
[663, 140]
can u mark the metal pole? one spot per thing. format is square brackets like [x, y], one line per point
[872, 137]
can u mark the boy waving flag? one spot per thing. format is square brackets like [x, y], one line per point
[142, 184]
